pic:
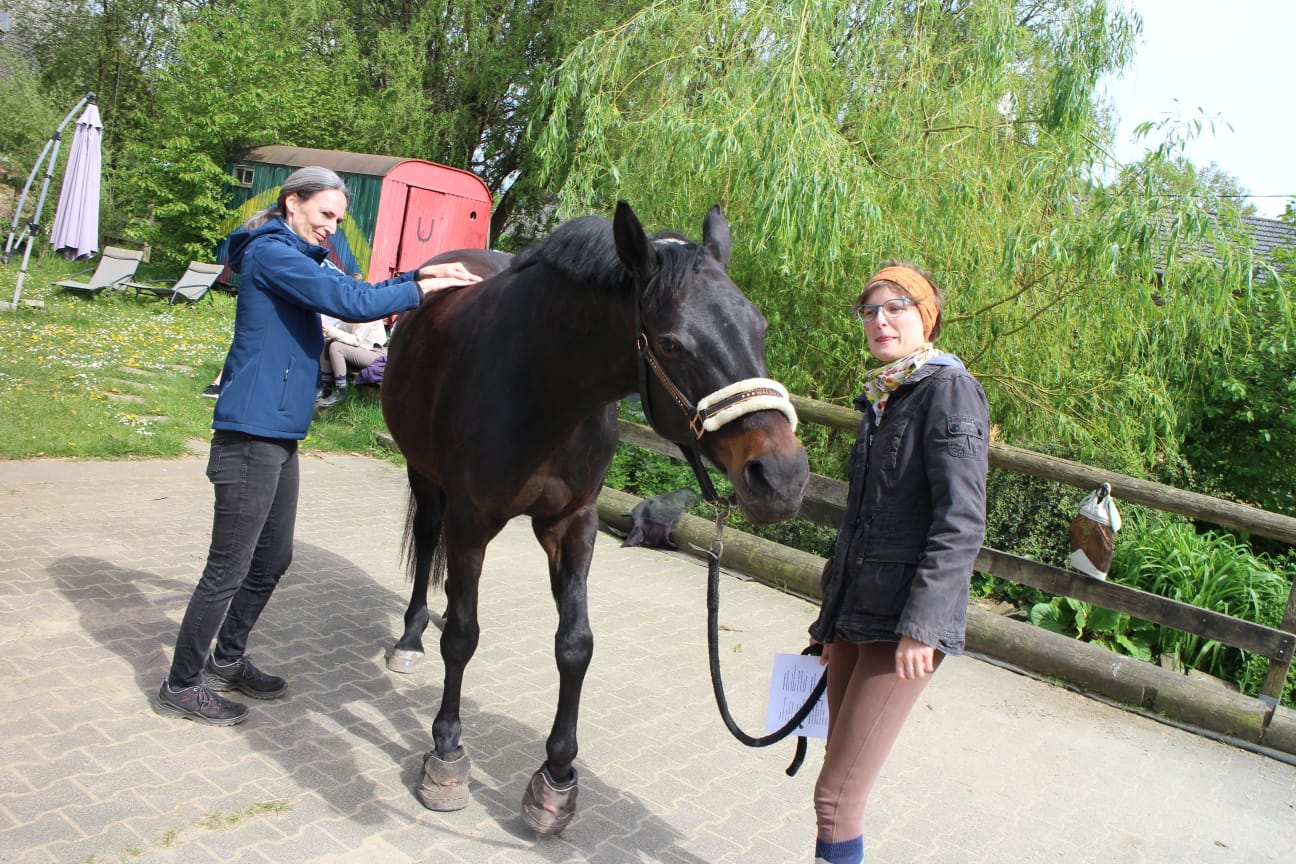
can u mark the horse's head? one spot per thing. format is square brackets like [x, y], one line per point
[704, 383]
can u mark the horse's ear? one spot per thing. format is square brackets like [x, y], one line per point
[716, 237]
[632, 245]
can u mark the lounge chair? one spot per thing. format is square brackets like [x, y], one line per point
[115, 267]
[191, 287]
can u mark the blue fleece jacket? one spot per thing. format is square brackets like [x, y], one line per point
[268, 383]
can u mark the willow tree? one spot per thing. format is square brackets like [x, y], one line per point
[965, 137]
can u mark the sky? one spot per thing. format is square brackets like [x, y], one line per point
[1229, 60]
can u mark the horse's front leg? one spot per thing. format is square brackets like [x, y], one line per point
[446, 768]
[550, 800]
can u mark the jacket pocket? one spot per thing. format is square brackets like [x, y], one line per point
[879, 588]
[285, 386]
[965, 438]
[892, 442]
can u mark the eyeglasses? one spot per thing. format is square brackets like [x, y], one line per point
[892, 309]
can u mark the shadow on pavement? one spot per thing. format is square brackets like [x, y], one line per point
[349, 730]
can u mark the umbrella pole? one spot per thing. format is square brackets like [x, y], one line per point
[10, 245]
[29, 233]
[22, 273]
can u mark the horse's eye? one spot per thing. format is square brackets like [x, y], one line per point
[668, 346]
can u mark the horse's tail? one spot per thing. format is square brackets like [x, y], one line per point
[437, 577]
[424, 514]
[407, 551]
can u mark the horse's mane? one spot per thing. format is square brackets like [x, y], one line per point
[583, 250]
[675, 253]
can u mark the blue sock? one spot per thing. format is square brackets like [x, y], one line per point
[843, 852]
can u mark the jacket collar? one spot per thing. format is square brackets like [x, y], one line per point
[928, 369]
[277, 229]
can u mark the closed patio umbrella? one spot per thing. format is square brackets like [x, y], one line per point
[75, 234]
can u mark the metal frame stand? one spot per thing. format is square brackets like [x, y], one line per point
[33, 226]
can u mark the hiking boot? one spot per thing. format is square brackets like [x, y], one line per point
[241, 675]
[332, 398]
[198, 703]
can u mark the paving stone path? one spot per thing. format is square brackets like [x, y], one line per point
[97, 560]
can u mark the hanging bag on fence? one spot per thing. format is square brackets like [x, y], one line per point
[1093, 533]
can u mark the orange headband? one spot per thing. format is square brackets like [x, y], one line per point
[916, 286]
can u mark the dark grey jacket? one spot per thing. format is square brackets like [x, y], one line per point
[915, 515]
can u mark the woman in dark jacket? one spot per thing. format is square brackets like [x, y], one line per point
[266, 401]
[895, 591]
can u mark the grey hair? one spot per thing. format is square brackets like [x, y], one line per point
[304, 182]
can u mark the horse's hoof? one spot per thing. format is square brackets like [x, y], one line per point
[548, 807]
[404, 661]
[445, 782]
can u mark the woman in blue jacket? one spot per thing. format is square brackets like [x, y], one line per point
[266, 402]
[895, 591]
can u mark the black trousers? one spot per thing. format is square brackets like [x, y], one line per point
[256, 482]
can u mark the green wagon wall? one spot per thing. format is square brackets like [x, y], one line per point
[362, 208]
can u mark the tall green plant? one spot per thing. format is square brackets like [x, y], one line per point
[1211, 570]
[32, 116]
[106, 47]
[1243, 429]
[457, 83]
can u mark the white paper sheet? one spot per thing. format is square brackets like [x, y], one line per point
[793, 680]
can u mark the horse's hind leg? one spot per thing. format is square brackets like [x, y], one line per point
[446, 768]
[550, 799]
[422, 533]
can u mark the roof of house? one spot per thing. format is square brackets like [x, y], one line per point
[1269, 234]
[1266, 234]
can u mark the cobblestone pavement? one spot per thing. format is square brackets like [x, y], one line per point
[97, 561]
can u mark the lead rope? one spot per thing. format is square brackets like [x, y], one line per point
[713, 655]
[722, 506]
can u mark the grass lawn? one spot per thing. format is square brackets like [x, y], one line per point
[120, 376]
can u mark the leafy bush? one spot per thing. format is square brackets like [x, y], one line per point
[1212, 570]
[30, 117]
[1240, 437]
[1115, 631]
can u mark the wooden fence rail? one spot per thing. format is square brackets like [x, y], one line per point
[826, 499]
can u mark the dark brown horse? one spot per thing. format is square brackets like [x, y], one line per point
[501, 396]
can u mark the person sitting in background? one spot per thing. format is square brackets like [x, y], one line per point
[347, 347]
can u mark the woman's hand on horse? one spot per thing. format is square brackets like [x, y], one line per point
[913, 659]
[438, 277]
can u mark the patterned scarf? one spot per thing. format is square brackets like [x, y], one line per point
[880, 383]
